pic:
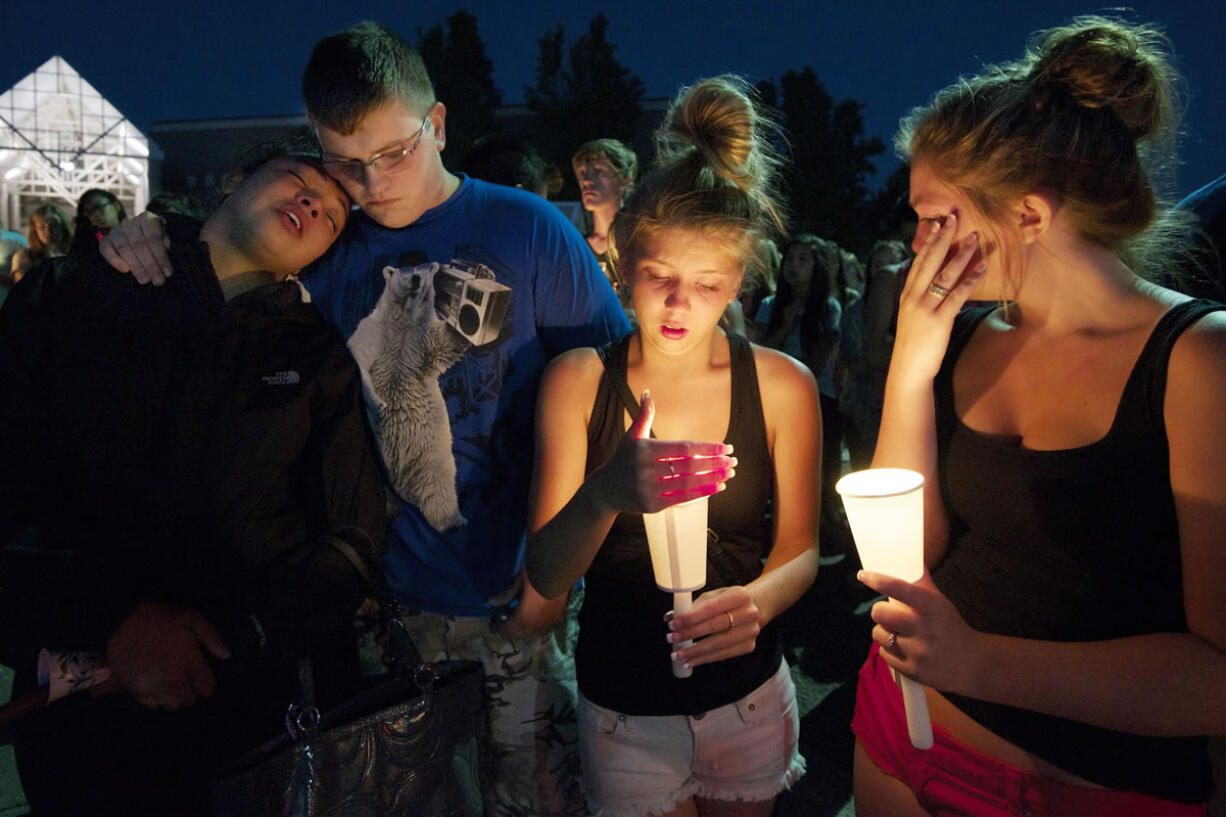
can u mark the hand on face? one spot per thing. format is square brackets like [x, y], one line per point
[937, 286]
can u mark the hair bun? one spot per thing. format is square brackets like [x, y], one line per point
[717, 118]
[1102, 64]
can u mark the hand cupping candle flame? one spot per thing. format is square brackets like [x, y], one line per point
[677, 535]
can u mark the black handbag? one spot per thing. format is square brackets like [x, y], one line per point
[410, 745]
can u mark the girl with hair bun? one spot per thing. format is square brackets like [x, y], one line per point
[1071, 631]
[723, 741]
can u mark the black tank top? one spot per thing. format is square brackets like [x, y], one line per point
[1079, 544]
[622, 659]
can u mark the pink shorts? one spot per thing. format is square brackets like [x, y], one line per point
[635, 765]
[953, 779]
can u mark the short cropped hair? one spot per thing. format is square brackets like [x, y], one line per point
[359, 69]
[622, 159]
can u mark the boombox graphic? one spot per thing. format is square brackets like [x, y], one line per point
[468, 298]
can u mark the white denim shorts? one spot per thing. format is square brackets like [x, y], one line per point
[638, 765]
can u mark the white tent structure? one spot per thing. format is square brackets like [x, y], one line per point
[58, 138]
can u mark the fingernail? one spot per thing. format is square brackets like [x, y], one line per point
[727, 449]
[860, 576]
[735, 462]
[671, 638]
[669, 616]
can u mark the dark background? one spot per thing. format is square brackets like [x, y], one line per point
[159, 61]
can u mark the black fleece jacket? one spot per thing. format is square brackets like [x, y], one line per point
[162, 444]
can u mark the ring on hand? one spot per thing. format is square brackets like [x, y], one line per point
[938, 290]
[672, 470]
[892, 644]
[731, 623]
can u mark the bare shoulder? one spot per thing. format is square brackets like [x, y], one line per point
[784, 382]
[580, 362]
[773, 364]
[573, 374]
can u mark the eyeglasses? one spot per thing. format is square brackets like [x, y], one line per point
[392, 160]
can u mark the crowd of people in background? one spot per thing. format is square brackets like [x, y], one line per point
[1021, 337]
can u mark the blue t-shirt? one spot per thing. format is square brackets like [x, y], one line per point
[559, 299]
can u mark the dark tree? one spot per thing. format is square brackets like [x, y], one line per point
[830, 161]
[586, 95]
[463, 79]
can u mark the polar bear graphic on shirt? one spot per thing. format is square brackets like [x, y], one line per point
[401, 348]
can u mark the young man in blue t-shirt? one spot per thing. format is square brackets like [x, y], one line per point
[454, 294]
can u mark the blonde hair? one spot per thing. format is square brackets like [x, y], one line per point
[715, 172]
[1087, 115]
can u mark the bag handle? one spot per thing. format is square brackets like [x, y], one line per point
[406, 657]
[304, 717]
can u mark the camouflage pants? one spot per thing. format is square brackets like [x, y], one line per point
[531, 757]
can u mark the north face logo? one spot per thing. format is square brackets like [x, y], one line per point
[289, 378]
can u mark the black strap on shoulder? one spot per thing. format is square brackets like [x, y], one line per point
[1151, 367]
[614, 355]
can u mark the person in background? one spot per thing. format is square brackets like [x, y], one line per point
[1071, 624]
[606, 170]
[178, 463]
[758, 286]
[724, 741]
[509, 161]
[10, 242]
[49, 236]
[863, 389]
[805, 321]
[98, 212]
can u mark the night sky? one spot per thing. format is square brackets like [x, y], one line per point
[223, 58]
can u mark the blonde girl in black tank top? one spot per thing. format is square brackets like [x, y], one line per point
[682, 244]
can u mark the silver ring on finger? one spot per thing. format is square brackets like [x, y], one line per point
[731, 622]
[938, 290]
[892, 644]
[672, 469]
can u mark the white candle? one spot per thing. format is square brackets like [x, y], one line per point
[885, 508]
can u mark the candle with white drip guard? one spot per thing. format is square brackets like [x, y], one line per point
[885, 509]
